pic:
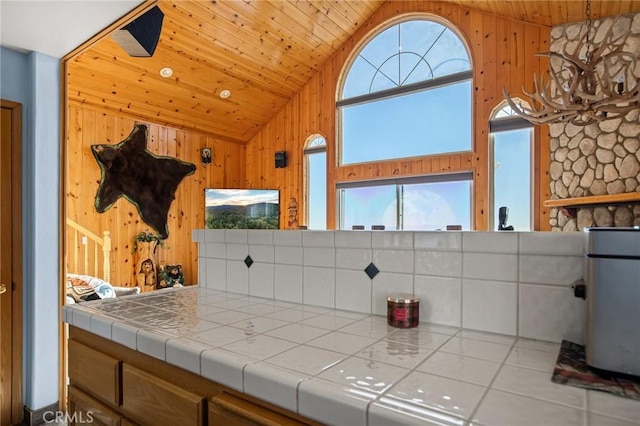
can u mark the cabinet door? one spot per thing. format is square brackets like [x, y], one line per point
[84, 409]
[95, 372]
[147, 399]
[226, 409]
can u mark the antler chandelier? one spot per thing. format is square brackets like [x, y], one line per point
[598, 86]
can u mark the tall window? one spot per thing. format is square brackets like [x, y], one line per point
[407, 93]
[511, 146]
[414, 203]
[315, 154]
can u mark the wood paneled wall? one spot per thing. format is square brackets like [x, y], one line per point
[503, 55]
[88, 127]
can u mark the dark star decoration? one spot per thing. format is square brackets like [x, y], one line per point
[146, 180]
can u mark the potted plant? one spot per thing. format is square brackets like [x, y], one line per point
[146, 237]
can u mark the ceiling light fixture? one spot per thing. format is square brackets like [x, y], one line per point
[166, 72]
[584, 90]
[224, 94]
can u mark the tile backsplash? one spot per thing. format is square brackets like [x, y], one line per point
[514, 283]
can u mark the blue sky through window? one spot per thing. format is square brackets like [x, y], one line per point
[431, 206]
[433, 116]
[417, 206]
[406, 53]
[317, 190]
[428, 122]
[512, 177]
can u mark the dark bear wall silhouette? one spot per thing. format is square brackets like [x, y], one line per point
[146, 180]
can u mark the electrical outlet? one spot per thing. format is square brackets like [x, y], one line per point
[84, 240]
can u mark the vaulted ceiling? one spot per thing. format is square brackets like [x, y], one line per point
[263, 52]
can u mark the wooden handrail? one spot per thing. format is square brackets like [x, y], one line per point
[85, 231]
[104, 242]
[627, 197]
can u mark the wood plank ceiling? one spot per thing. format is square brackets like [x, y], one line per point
[262, 51]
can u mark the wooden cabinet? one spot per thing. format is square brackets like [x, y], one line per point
[94, 371]
[226, 409]
[150, 400]
[85, 409]
[119, 386]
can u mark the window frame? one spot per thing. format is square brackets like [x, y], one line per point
[424, 85]
[310, 149]
[399, 182]
[504, 124]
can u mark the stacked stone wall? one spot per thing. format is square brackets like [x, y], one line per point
[601, 158]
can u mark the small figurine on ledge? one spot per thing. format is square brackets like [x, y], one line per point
[170, 276]
[292, 214]
[147, 275]
[503, 214]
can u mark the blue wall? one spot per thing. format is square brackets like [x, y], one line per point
[34, 80]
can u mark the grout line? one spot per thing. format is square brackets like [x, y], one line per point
[490, 385]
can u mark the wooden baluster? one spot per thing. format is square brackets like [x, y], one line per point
[106, 252]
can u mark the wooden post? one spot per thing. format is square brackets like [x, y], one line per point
[106, 256]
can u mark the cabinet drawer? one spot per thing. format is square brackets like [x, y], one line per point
[226, 409]
[84, 409]
[149, 400]
[95, 372]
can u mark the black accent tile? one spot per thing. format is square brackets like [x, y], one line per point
[371, 270]
[248, 261]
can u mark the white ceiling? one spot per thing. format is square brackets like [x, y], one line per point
[56, 27]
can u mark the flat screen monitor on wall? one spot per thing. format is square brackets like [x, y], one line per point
[242, 208]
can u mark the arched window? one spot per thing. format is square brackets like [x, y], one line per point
[407, 92]
[511, 166]
[315, 186]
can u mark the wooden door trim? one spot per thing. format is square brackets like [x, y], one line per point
[16, 243]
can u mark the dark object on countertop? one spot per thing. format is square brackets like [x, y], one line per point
[572, 369]
[403, 311]
[503, 215]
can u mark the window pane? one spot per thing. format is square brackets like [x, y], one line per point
[448, 55]
[382, 46]
[359, 78]
[433, 121]
[430, 206]
[317, 175]
[512, 177]
[371, 205]
[406, 53]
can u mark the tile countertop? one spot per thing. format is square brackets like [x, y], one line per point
[347, 368]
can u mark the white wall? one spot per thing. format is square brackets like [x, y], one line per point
[34, 81]
[515, 283]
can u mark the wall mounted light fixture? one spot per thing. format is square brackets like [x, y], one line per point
[206, 155]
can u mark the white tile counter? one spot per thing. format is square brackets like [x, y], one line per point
[347, 368]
